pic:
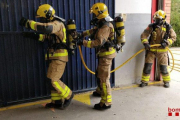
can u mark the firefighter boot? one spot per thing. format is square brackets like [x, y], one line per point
[57, 104]
[67, 102]
[99, 107]
[143, 84]
[95, 93]
[166, 84]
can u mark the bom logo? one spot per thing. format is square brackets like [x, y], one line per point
[173, 111]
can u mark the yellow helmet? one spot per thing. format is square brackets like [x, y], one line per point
[45, 11]
[159, 15]
[100, 10]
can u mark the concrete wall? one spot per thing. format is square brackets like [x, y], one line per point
[138, 17]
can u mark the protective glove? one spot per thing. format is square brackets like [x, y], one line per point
[24, 22]
[147, 46]
[164, 44]
[31, 35]
[76, 35]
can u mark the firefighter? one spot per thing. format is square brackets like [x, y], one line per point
[101, 36]
[159, 32]
[54, 32]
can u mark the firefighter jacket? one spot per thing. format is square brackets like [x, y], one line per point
[103, 34]
[57, 29]
[155, 35]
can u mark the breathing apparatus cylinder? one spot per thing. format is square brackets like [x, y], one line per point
[120, 31]
[71, 28]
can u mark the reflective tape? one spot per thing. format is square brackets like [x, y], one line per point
[67, 92]
[170, 41]
[71, 26]
[109, 96]
[166, 78]
[119, 24]
[104, 97]
[64, 92]
[163, 29]
[158, 50]
[58, 54]
[89, 44]
[145, 78]
[122, 32]
[107, 53]
[64, 32]
[144, 40]
[109, 100]
[41, 36]
[56, 98]
[32, 25]
[55, 94]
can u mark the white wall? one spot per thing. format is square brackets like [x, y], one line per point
[138, 17]
[133, 6]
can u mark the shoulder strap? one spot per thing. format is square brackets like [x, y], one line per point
[168, 27]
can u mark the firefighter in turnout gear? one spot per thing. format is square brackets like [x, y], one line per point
[159, 32]
[53, 30]
[101, 37]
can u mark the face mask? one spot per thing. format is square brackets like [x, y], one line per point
[94, 21]
[43, 20]
[158, 22]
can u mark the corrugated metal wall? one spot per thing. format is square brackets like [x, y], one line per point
[22, 65]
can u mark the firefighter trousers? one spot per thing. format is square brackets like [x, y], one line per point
[59, 90]
[103, 80]
[162, 59]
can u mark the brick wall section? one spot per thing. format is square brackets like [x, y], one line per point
[167, 9]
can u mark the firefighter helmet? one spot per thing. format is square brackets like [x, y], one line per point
[159, 15]
[100, 10]
[45, 11]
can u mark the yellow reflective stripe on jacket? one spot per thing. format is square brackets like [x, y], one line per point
[89, 44]
[88, 33]
[107, 52]
[166, 78]
[170, 41]
[158, 50]
[32, 25]
[144, 40]
[71, 26]
[145, 78]
[58, 54]
[163, 29]
[64, 32]
[41, 36]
